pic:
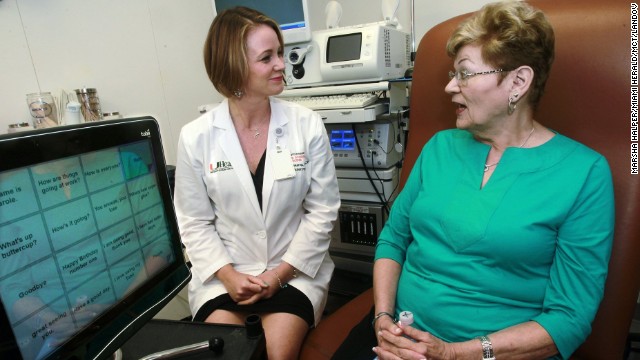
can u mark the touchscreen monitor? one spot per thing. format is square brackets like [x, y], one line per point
[89, 246]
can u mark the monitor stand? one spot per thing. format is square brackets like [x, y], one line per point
[161, 335]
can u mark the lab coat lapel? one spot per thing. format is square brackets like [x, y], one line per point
[278, 136]
[230, 145]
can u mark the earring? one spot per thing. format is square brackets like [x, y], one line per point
[512, 104]
[238, 93]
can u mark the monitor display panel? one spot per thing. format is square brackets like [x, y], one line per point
[291, 15]
[342, 140]
[344, 47]
[89, 244]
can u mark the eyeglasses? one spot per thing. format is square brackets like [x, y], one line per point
[463, 75]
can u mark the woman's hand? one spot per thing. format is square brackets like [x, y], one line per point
[395, 342]
[271, 278]
[384, 323]
[242, 288]
[267, 277]
[389, 335]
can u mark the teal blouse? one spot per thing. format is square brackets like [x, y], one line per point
[532, 244]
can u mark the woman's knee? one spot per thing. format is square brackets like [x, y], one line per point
[284, 335]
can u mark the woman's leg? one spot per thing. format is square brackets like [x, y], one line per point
[226, 317]
[284, 334]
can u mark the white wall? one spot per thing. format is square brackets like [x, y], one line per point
[427, 13]
[143, 56]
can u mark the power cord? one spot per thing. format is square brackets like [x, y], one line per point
[385, 204]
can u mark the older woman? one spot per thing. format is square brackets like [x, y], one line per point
[256, 191]
[500, 239]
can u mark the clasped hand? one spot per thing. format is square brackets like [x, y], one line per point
[247, 289]
[395, 342]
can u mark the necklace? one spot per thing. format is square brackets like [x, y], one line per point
[256, 130]
[488, 166]
[242, 121]
[533, 128]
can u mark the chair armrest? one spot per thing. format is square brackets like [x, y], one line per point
[325, 339]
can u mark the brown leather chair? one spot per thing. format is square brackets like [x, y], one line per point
[587, 98]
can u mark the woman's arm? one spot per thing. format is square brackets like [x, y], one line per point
[386, 273]
[194, 210]
[390, 255]
[310, 243]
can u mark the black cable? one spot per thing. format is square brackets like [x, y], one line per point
[373, 166]
[364, 165]
[375, 141]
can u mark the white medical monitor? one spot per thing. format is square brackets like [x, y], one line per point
[291, 15]
[353, 54]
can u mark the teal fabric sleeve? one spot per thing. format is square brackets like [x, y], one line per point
[577, 276]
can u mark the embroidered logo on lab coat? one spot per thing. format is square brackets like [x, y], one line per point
[300, 161]
[220, 166]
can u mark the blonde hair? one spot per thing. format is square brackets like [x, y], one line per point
[225, 52]
[511, 34]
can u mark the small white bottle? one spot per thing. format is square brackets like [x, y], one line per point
[406, 318]
[72, 113]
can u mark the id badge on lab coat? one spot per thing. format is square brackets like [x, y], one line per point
[282, 164]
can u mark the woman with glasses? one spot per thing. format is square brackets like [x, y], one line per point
[500, 239]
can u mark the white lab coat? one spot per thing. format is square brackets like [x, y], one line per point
[218, 212]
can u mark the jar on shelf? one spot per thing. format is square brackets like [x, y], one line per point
[18, 127]
[88, 98]
[114, 115]
[43, 110]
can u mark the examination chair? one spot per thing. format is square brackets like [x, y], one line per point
[587, 98]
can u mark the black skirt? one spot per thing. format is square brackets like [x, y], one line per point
[288, 300]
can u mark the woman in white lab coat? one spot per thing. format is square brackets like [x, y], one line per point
[256, 193]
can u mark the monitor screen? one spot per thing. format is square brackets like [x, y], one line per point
[291, 15]
[342, 140]
[89, 245]
[344, 47]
